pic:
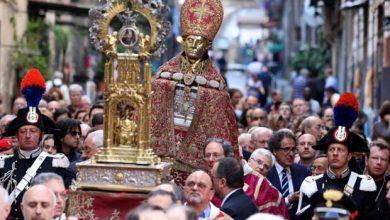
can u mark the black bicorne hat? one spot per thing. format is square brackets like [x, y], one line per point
[32, 87]
[38, 119]
[342, 136]
[346, 111]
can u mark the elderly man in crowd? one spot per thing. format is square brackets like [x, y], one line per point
[198, 192]
[75, 94]
[38, 203]
[320, 165]
[263, 194]
[261, 160]
[56, 184]
[313, 125]
[93, 142]
[244, 141]
[260, 137]
[5, 205]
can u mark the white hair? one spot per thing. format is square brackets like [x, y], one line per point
[260, 130]
[4, 195]
[263, 152]
[96, 138]
[75, 88]
[244, 136]
[84, 128]
[264, 216]
[86, 99]
[7, 117]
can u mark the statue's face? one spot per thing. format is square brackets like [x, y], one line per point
[195, 46]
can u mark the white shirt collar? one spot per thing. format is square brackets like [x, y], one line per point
[279, 168]
[245, 166]
[227, 196]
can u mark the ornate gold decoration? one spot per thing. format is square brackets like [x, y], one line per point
[119, 177]
[201, 18]
[122, 177]
[126, 161]
[332, 196]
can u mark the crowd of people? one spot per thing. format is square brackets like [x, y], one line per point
[303, 158]
[282, 165]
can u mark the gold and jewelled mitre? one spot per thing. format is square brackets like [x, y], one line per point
[201, 18]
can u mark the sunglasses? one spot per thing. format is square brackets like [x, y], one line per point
[75, 133]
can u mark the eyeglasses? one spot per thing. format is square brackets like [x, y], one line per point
[62, 195]
[258, 118]
[260, 162]
[288, 150]
[75, 133]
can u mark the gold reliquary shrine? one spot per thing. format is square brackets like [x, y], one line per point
[129, 33]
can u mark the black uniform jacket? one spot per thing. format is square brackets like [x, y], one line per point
[12, 170]
[363, 193]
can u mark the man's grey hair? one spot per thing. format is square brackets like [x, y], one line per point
[307, 123]
[263, 152]
[53, 196]
[43, 178]
[75, 88]
[260, 130]
[244, 136]
[8, 117]
[4, 195]
[96, 138]
[86, 98]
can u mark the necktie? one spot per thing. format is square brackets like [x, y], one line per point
[285, 191]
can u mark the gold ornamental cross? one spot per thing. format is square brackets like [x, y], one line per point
[202, 10]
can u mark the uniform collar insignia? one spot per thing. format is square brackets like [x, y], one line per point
[24, 154]
[332, 175]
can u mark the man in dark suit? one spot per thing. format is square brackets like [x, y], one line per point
[228, 180]
[285, 175]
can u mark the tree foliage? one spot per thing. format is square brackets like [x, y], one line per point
[32, 49]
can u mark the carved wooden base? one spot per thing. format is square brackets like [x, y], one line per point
[121, 177]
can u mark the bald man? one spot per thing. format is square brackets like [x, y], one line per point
[198, 192]
[38, 203]
[5, 205]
